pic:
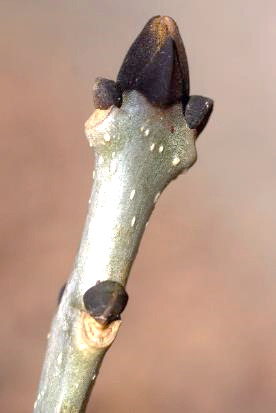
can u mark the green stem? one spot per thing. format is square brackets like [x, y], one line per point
[137, 155]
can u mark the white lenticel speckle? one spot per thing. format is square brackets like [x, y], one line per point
[107, 137]
[156, 197]
[133, 221]
[152, 146]
[147, 131]
[161, 148]
[131, 196]
[59, 359]
[175, 161]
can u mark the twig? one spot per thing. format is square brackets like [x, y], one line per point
[141, 141]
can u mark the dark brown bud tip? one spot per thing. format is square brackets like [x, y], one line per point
[156, 64]
[198, 111]
[106, 93]
[105, 301]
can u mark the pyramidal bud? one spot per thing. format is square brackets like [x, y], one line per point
[156, 64]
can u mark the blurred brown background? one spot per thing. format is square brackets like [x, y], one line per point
[199, 333]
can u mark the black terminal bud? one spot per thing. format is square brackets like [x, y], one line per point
[156, 64]
[106, 93]
[105, 301]
[198, 111]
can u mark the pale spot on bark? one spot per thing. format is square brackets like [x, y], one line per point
[131, 196]
[175, 161]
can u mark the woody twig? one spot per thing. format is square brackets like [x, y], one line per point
[143, 133]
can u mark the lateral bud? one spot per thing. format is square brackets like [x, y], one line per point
[105, 301]
[106, 93]
[198, 111]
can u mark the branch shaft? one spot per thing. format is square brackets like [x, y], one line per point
[139, 149]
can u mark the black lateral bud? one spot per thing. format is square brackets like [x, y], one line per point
[105, 301]
[106, 93]
[198, 111]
